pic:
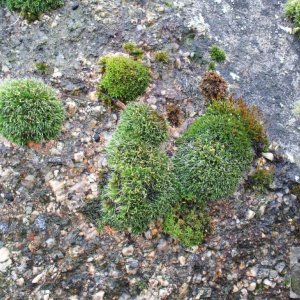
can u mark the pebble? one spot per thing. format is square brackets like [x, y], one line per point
[162, 245]
[4, 254]
[268, 155]
[132, 266]
[79, 156]
[71, 108]
[252, 287]
[128, 251]
[99, 296]
[250, 214]
[269, 283]
[9, 196]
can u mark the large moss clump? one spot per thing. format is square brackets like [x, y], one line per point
[29, 111]
[140, 188]
[212, 155]
[123, 79]
[31, 9]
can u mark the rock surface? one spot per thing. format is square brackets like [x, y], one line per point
[49, 244]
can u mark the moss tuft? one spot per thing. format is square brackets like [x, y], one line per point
[32, 9]
[261, 179]
[217, 54]
[213, 86]
[292, 11]
[29, 111]
[123, 79]
[133, 50]
[162, 56]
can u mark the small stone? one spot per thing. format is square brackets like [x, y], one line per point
[20, 281]
[9, 196]
[268, 156]
[4, 254]
[162, 245]
[75, 6]
[269, 283]
[250, 214]
[132, 266]
[79, 156]
[97, 137]
[50, 242]
[128, 251]
[182, 260]
[28, 181]
[71, 108]
[99, 296]
[37, 278]
[280, 267]
[252, 287]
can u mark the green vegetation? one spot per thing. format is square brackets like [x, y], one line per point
[212, 155]
[140, 188]
[123, 79]
[211, 66]
[295, 189]
[213, 86]
[42, 67]
[249, 115]
[133, 50]
[29, 111]
[188, 222]
[292, 11]
[217, 54]
[261, 179]
[32, 9]
[162, 56]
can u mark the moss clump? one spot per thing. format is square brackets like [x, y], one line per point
[188, 222]
[249, 115]
[123, 79]
[42, 67]
[292, 11]
[217, 54]
[211, 66]
[261, 179]
[161, 56]
[212, 155]
[213, 86]
[32, 9]
[140, 188]
[29, 111]
[133, 50]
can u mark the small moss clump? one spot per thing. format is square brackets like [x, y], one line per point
[32, 9]
[213, 86]
[292, 11]
[217, 54]
[188, 222]
[140, 188]
[29, 111]
[42, 67]
[123, 79]
[161, 56]
[133, 50]
[261, 179]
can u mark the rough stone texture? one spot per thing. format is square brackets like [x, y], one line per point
[47, 195]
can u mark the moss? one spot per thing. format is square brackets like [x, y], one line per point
[217, 54]
[261, 179]
[32, 9]
[188, 222]
[211, 66]
[213, 86]
[123, 79]
[292, 11]
[29, 111]
[249, 115]
[212, 155]
[140, 188]
[161, 56]
[174, 115]
[133, 50]
[42, 67]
